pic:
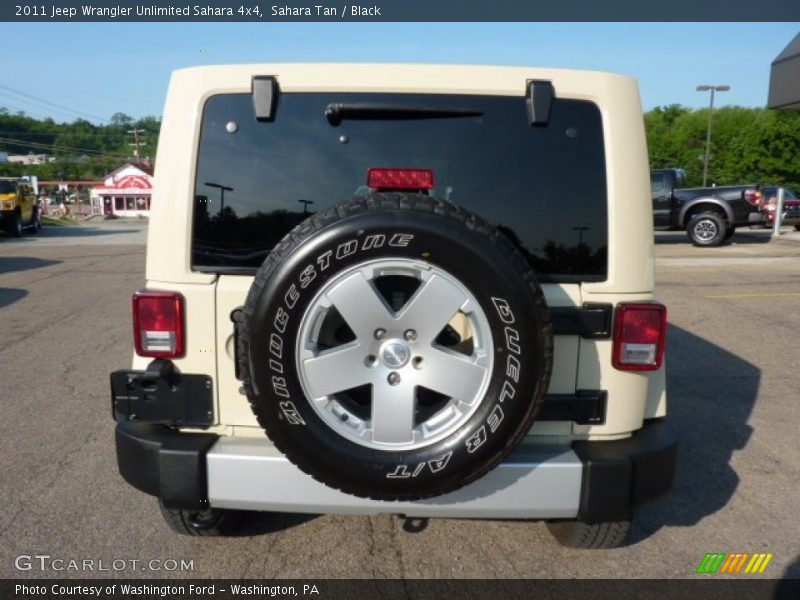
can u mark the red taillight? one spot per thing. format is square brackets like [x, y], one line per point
[158, 324]
[640, 332]
[751, 196]
[400, 179]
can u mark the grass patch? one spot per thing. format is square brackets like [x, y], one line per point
[58, 221]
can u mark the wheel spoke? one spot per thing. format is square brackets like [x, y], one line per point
[393, 413]
[431, 308]
[451, 374]
[360, 305]
[336, 370]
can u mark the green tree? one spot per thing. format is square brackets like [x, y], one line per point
[81, 149]
[121, 120]
[748, 145]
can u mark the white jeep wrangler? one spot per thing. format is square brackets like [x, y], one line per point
[414, 289]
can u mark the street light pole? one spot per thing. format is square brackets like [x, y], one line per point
[222, 189]
[305, 204]
[712, 88]
[580, 229]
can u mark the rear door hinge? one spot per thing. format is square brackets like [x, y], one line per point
[539, 96]
[265, 96]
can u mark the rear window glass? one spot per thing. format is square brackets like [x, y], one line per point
[772, 192]
[657, 183]
[543, 186]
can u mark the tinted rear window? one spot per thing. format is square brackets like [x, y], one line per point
[657, 183]
[772, 192]
[544, 186]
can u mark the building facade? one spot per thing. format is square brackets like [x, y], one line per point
[29, 159]
[126, 192]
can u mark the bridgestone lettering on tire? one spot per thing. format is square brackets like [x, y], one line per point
[395, 347]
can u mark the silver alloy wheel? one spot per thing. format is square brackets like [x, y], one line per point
[705, 230]
[395, 352]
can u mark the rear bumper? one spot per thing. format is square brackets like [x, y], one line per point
[164, 462]
[591, 481]
[790, 217]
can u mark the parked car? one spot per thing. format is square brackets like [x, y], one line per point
[709, 215]
[19, 209]
[484, 356]
[791, 207]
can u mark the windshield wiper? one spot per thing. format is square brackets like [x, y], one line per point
[339, 111]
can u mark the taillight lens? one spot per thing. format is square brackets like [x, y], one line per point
[158, 324]
[400, 179]
[640, 332]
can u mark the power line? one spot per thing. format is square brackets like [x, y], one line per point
[25, 113]
[59, 106]
[53, 104]
[47, 146]
[54, 132]
[55, 114]
[40, 146]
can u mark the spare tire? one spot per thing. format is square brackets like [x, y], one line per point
[395, 347]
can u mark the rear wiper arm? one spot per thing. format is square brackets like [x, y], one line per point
[339, 111]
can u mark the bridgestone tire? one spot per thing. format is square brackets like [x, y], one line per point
[575, 534]
[440, 236]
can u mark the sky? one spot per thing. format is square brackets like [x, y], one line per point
[96, 69]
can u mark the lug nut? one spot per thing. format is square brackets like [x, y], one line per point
[410, 335]
[371, 360]
[380, 333]
[418, 362]
[394, 378]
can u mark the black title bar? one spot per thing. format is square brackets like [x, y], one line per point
[708, 588]
[44, 11]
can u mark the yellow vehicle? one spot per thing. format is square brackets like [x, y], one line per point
[19, 209]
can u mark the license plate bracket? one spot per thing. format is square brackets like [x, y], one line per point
[161, 395]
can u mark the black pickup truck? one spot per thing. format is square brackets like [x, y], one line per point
[708, 215]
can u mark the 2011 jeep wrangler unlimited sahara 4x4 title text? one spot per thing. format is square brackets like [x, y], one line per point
[431, 287]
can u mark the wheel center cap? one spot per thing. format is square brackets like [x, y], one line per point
[395, 353]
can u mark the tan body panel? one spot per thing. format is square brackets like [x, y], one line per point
[579, 363]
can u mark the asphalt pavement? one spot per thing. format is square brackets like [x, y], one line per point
[732, 360]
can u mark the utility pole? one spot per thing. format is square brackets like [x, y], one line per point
[712, 89]
[137, 143]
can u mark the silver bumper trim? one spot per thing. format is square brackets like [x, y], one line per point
[536, 482]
